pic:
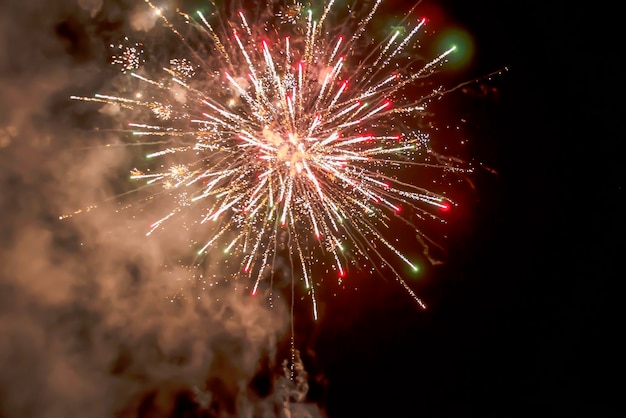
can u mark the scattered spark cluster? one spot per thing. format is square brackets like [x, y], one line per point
[293, 135]
[129, 56]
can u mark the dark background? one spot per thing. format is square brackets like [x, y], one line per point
[520, 319]
[521, 322]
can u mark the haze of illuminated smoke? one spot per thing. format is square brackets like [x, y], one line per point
[297, 140]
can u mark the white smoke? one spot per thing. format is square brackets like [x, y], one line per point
[87, 320]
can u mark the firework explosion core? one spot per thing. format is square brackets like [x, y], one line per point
[291, 135]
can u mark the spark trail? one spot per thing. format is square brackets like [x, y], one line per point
[293, 133]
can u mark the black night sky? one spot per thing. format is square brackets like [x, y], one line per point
[521, 319]
[520, 322]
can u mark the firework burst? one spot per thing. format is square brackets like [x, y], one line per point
[293, 134]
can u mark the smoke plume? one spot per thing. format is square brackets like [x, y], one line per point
[96, 319]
